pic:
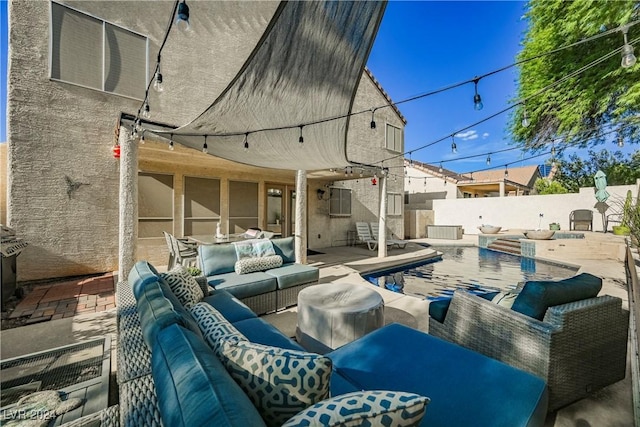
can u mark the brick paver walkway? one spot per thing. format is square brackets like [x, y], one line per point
[67, 298]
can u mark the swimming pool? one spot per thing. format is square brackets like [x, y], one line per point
[473, 268]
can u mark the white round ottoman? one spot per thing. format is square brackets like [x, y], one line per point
[333, 314]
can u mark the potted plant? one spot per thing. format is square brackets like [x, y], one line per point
[554, 226]
[624, 228]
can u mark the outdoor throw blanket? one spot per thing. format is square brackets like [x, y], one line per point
[37, 409]
[254, 248]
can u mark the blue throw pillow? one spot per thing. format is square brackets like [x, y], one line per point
[537, 296]
[285, 247]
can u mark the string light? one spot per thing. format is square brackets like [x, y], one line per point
[205, 148]
[142, 141]
[373, 120]
[454, 147]
[489, 159]
[440, 168]
[553, 150]
[620, 141]
[477, 100]
[246, 141]
[301, 139]
[157, 80]
[182, 17]
[506, 171]
[171, 143]
[628, 58]
[146, 111]
[525, 119]
[410, 160]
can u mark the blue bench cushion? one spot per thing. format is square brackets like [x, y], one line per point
[285, 247]
[193, 387]
[438, 309]
[259, 331]
[159, 308]
[537, 296]
[217, 259]
[290, 275]
[244, 285]
[140, 275]
[229, 306]
[399, 358]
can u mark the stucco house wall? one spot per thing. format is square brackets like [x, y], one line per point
[60, 135]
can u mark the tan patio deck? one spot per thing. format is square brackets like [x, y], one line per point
[611, 406]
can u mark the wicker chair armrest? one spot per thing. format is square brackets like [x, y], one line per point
[204, 285]
[578, 313]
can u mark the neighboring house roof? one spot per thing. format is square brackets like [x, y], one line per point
[435, 171]
[382, 91]
[525, 175]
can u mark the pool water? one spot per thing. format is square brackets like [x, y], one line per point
[476, 269]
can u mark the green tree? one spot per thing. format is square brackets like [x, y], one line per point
[576, 172]
[585, 107]
[545, 186]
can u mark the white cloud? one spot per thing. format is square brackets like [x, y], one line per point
[468, 135]
[485, 135]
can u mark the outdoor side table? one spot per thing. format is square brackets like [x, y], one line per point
[333, 314]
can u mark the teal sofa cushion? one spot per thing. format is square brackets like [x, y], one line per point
[400, 358]
[229, 306]
[259, 331]
[217, 259]
[140, 275]
[290, 275]
[537, 296]
[159, 308]
[285, 247]
[192, 386]
[244, 285]
[438, 309]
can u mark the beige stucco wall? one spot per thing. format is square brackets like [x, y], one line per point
[3, 183]
[523, 212]
[58, 130]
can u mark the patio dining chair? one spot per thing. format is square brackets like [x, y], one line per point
[184, 252]
[375, 229]
[581, 219]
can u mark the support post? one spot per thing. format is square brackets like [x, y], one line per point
[382, 222]
[501, 188]
[301, 217]
[128, 204]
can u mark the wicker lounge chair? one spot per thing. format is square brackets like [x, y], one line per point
[578, 348]
[375, 228]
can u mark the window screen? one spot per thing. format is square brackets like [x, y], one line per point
[340, 202]
[90, 52]
[201, 205]
[394, 138]
[394, 204]
[243, 206]
[155, 204]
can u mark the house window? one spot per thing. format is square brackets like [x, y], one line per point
[340, 202]
[394, 138]
[243, 206]
[93, 53]
[155, 204]
[394, 204]
[201, 205]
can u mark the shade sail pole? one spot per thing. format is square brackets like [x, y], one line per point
[128, 204]
[301, 217]
[382, 225]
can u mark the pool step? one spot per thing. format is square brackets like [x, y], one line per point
[510, 246]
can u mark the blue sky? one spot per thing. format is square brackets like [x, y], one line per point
[426, 45]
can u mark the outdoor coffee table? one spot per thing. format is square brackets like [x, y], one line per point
[333, 314]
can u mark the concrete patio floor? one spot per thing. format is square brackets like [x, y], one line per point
[611, 406]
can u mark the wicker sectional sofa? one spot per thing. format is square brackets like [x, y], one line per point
[263, 291]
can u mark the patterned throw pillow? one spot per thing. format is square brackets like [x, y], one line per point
[249, 265]
[505, 299]
[364, 408]
[279, 382]
[214, 326]
[184, 286]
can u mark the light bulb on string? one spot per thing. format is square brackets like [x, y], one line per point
[620, 141]
[158, 86]
[410, 160]
[246, 141]
[171, 143]
[425, 182]
[146, 111]
[454, 147]
[488, 159]
[440, 168]
[142, 141]
[373, 120]
[301, 139]
[205, 148]
[506, 171]
[553, 150]
[628, 58]
[477, 100]
[361, 172]
[346, 172]
[525, 119]
[182, 18]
